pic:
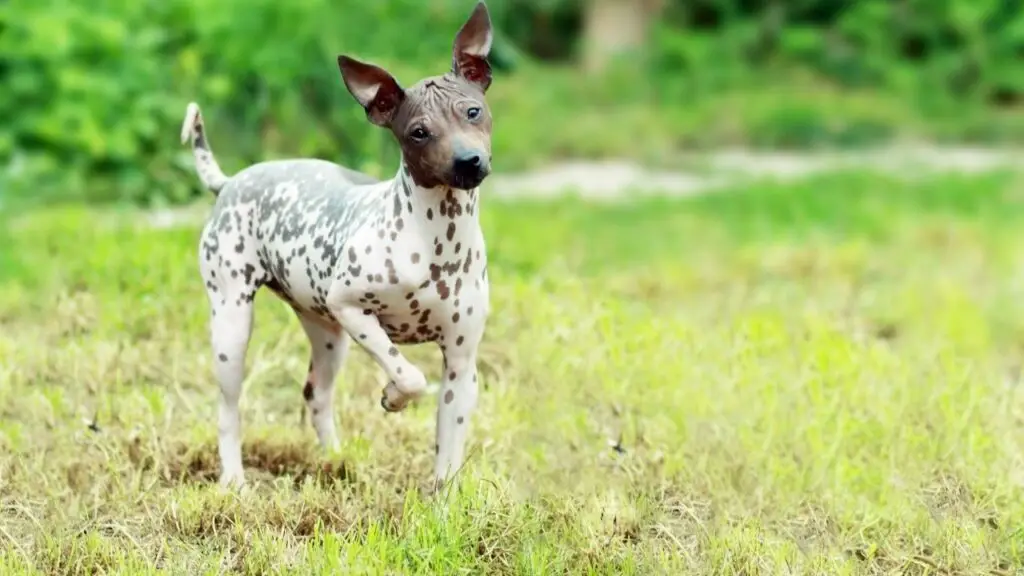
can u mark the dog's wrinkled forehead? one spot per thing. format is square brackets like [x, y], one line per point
[436, 96]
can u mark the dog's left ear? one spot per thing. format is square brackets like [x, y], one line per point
[472, 45]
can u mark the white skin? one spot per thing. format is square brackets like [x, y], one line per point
[453, 309]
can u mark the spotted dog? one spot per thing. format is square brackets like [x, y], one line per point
[383, 263]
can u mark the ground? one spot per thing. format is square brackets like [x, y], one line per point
[816, 377]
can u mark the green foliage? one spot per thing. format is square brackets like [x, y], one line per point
[94, 91]
[939, 51]
[99, 88]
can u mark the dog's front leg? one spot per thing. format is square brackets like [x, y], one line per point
[456, 401]
[406, 382]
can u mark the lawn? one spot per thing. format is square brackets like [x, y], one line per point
[813, 378]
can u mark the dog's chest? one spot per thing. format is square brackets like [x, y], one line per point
[421, 270]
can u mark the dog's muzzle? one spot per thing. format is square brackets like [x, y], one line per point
[469, 170]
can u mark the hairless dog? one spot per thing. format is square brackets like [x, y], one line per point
[400, 261]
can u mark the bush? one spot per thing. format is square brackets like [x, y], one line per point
[97, 89]
[962, 50]
[94, 91]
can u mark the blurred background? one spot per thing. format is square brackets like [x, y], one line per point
[94, 90]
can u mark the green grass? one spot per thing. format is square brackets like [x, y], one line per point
[811, 378]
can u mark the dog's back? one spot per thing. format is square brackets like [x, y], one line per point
[285, 221]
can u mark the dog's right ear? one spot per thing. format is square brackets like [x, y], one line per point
[376, 91]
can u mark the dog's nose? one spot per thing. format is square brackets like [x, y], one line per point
[469, 169]
[468, 164]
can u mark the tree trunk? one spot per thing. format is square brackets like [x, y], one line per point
[612, 27]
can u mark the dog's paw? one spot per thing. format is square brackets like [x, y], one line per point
[397, 394]
[232, 479]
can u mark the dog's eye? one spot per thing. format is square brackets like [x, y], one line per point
[419, 133]
[473, 113]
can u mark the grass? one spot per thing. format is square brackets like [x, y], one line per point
[812, 378]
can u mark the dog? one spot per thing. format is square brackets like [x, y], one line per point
[400, 261]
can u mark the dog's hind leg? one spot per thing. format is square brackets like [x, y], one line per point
[230, 329]
[329, 348]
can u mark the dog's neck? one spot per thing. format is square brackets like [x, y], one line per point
[441, 215]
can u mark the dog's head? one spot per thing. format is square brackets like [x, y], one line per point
[441, 123]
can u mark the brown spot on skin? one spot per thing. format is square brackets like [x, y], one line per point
[451, 375]
[378, 278]
[455, 318]
[442, 290]
[449, 396]
[451, 231]
[430, 214]
[222, 357]
[424, 284]
[330, 345]
[362, 336]
[414, 304]
[316, 411]
[469, 311]
[399, 224]
[459, 340]
[460, 420]
[409, 296]
[392, 351]
[351, 254]
[451, 268]
[437, 449]
[435, 272]
[307, 391]
[438, 250]
[458, 247]
[369, 249]
[415, 257]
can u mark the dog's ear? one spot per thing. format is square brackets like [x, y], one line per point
[376, 91]
[472, 45]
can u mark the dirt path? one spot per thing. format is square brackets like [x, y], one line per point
[708, 172]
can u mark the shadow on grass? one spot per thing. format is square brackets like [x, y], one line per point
[188, 464]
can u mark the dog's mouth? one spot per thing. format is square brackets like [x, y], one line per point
[467, 181]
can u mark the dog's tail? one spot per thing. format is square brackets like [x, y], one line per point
[192, 130]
